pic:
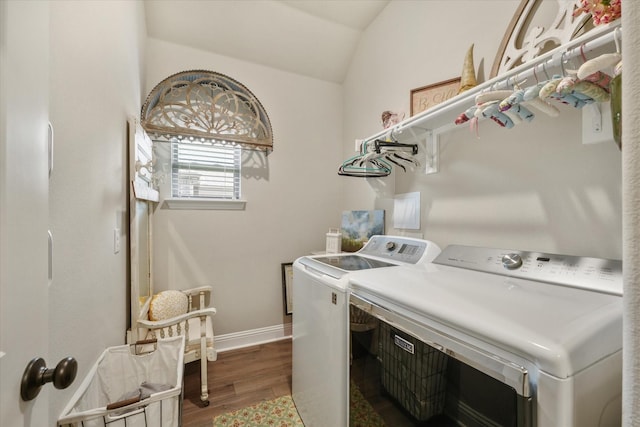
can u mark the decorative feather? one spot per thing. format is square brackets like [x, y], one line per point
[468, 77]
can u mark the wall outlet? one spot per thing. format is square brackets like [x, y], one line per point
[116, 240]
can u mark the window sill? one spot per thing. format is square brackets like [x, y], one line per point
[206, 204]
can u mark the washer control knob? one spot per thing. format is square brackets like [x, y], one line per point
[391, 246]
[511, 261]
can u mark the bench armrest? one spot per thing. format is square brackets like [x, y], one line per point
[159, 324]
[203, 297]
[196, 291]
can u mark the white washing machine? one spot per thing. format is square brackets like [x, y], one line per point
[514, 338]
[321, 322]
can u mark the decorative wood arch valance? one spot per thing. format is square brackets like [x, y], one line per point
[206, 107]
[523, 41]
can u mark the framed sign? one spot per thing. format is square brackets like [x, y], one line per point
[287, 282]
[426, 97]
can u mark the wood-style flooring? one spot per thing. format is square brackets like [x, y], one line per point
[239, 378]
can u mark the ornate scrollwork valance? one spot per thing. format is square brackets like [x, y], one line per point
[524, 41]
[206, 107]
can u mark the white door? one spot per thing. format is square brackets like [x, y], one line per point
[24, 201]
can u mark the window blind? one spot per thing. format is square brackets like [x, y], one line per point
[205, 171]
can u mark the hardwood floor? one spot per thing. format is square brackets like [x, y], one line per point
[238, 378]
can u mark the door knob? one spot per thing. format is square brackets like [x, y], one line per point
[36, 375]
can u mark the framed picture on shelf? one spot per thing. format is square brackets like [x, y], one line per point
[287, 286]
[358, 226]
[426, 97]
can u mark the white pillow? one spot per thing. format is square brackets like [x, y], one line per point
[168, 304]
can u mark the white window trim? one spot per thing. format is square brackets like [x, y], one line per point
[205, 204]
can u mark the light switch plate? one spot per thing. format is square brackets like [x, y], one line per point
[116, 240]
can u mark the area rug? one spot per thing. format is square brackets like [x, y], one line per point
[281, 412]
[361, 412]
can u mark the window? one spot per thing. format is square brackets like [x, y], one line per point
[208, 118]
[203, 171]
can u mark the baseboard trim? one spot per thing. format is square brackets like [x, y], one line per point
[252, 337]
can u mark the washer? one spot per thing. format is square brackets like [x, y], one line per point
[321, 322]
[539, 334]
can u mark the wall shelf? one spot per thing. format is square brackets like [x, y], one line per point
[428, 125]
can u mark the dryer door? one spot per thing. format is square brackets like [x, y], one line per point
[433, 376]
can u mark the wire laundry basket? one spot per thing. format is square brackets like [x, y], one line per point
[413, 373]
[130, 388]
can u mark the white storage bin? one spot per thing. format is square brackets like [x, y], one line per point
[334, 241]
[103, 398]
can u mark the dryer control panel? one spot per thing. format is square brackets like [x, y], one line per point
[596, 274]
[402, 249]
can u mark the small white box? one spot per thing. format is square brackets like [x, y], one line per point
[334, 241]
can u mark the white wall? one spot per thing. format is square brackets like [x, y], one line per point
[96, 69]
[290, 204]
[532, 187]
[631, 218]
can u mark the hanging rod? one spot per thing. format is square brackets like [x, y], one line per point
[594, 39]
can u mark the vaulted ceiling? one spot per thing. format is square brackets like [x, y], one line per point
[316, 38]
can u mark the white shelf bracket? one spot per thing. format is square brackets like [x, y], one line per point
[432, 152]
[432, 147]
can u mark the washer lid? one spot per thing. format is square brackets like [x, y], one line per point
[562, 330]
[380, 251]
